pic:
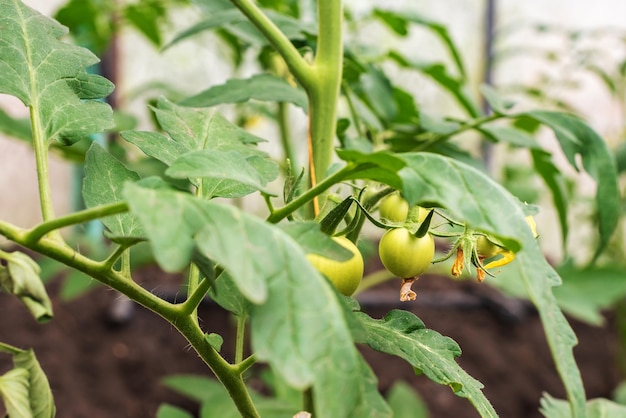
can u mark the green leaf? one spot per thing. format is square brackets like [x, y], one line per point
[49, 76]
[509, 135]
[272, 271]
[471, 196]
[620, 157]
[217, 165]
[596, 408]
[197, 388]
[20, 277]
[156, 145]
[226, 17]
[440, 30]
[262, 87]
[203, 130]
[89, 22]
[104, 181]
[405, 402]
[585, 293]
[555, 181]
[146, 16]
[75, 284]
[314, 241]
[215, 20]
[576, 138]
[456, 86]
[170, 411]
[395, 22]
[497, 103]
[225, 292]
[215, 340]
[402, 334]
[14, 392]
[39, 393]
[215, 401]
[377, 90]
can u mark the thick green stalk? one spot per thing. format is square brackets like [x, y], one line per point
[324, 92]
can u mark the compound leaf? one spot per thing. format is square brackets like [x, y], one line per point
[50, 76]
[402, 334]
[202, 132]
[262, 87]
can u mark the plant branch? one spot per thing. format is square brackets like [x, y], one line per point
[468, 126]
[241, 337]
[229, 375]
[195, 297]
[12, 232]
[285, 137]
[7, 348]
[311, 193]
[193, 281]
[245, 364]
[110, 260]
[300, 69]
[75, 218]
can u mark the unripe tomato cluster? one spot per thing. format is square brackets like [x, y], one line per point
[401, 252]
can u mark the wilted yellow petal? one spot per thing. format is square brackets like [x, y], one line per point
[507, 257]
[457, 267]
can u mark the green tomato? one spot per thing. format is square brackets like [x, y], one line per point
[405, 255]
[345, 275]
[486, 248]
[394, 208]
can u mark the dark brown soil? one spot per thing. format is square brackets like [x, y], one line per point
[99, 368]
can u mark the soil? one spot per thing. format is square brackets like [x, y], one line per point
[99, 366]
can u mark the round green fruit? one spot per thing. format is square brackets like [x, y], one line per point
[394, 208]
[345, 275]
[404, 254]
[486, 248]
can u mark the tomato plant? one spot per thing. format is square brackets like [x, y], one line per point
[263, 271]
